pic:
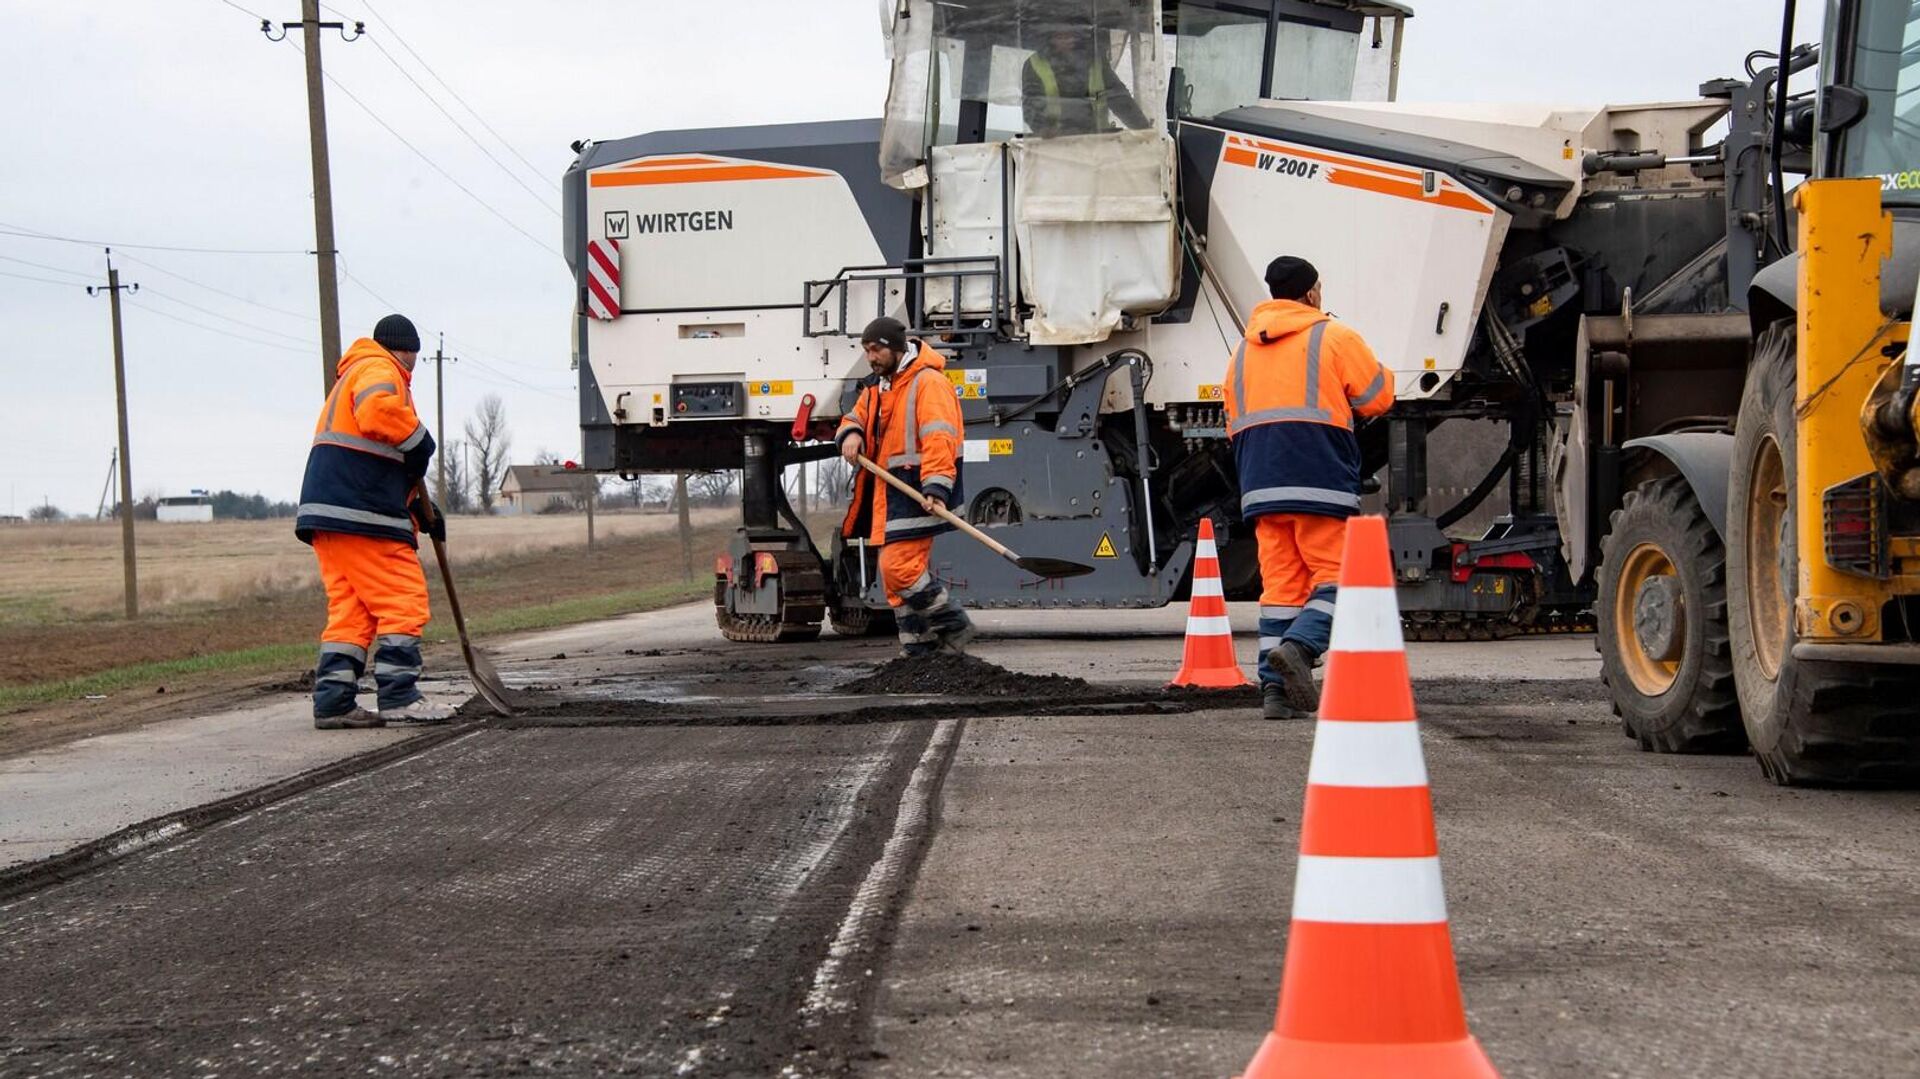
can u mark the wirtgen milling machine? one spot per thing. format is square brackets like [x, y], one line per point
[1578, 276]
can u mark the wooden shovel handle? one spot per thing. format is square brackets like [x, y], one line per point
[943, 512]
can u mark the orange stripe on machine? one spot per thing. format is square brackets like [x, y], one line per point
[627, 176]
[1283, 160]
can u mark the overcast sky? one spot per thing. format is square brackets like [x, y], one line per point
[177, 124]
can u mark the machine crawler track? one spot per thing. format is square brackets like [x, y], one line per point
[803, 603]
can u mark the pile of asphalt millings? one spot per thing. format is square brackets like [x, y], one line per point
[951, 674]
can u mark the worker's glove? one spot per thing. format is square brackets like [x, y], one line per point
[429, 518]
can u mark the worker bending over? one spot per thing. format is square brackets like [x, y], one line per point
[357, 511]
[908, 414]
[1293, 390]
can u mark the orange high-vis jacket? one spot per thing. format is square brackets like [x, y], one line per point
[1292, 392]
[369, 449]
[910, 425]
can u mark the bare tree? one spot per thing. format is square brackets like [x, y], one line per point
[713, 488]
[457, 498]
[46, 511]
[490, 440]
[834, 477]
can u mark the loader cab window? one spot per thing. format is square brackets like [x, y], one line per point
[1886, 68]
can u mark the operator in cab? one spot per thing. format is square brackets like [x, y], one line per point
[1068, 87]
[908, 414]
[1293, 391]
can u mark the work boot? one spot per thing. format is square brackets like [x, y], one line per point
[1295, 668]
[358, 719]
[421, 713]
[954, 628]
[1273, 702]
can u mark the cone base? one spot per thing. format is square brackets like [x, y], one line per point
[1210, 678]
[1290, 1058]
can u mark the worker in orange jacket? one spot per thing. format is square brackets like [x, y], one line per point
[358, 511]
[1293, 390]
[908, 413]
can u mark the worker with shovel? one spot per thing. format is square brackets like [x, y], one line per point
[908, 414]
[1293, 391]
[369, 452]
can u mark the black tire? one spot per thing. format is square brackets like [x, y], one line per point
[1810, 723]
[1681, 702]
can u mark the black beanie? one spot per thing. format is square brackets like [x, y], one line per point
[1291, 278]
[395, 334]
[885, 331]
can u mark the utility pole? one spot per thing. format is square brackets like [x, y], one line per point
[440, 361]
[106, 489]
[324, 250]
[686, 522]
[112, 289]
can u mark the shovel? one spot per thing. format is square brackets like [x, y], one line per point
[1039, 567]
[485, 678]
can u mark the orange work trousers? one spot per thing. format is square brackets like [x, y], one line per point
[374, 586]
[902, 565]
[1299, 553]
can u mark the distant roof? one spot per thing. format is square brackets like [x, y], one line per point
[547, 478]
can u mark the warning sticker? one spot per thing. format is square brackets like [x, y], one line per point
[1000, 447]
[769, 389]
[1105, 550]
[1213, 392]
[970, 393]
[969, 383]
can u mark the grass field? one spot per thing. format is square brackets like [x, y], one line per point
[70, 571]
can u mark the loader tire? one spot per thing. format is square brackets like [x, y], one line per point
[1662, 623]
[1810, 723]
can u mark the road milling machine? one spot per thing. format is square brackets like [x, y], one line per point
[1075, 201]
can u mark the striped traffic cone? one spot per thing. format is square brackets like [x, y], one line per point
[1208, 662]
[1370, 989]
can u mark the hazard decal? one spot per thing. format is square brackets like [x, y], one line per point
[1105, 550]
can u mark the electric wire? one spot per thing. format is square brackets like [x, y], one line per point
[215, 329]
[7, 229]
[42, 280]
[218, 291]
[226, 318]
[44, 266]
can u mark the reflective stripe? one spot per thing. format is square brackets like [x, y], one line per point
[341, 648]
[1239, 384]
[1207, 586]
[1367, 755]
[904, 460]
[934, 427]
[1372, 391]
[343, 513]
[1369, 891]
[1282, 613]
[378, 387]
[922, 581]
[906, 523]
[394, 668]
[940, 484]
[1366, 619]
[364, 445]
[1213, 625]
[399, 640]
[1299, 494]
[1050, 90]
[339, 676]
[1313, 364]
[1268, 644]
[1324, 606]
[1276, 415]
[419, 432]
[1205, 549]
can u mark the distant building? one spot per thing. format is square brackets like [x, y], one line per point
[195, 508]
[532, 488]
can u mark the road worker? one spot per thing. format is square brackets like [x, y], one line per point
[1069, 87]
[908, 414]
[358, 511]
[1294, 388]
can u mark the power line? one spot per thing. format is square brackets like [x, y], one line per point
[44, 266]
[219, 292]
[364, 287]
[217, 330]
[42, 280]
[253, 14]
[31, 234]
[478, 145]
[411, 51]
[226, 318]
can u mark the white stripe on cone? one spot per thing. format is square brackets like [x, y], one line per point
[1369, 891]
[1207, 586]
[1206, 549]
[1366, 619]
[1209, 626]
[1347, 754]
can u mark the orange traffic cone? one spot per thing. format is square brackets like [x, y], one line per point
[1370, 989]
[1209, 662]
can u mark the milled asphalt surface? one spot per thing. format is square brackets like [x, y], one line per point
[1101, 895]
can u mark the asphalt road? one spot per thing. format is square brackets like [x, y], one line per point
[662, 890]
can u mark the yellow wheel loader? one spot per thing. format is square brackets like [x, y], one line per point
[1798, 608]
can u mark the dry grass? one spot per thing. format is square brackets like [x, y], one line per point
[71, 571]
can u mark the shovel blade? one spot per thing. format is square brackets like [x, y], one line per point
[1052, 568]
[486, 680]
